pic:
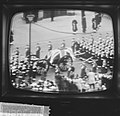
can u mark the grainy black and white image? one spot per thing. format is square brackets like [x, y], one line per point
[61, 51]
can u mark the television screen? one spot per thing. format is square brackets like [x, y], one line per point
[61, 50]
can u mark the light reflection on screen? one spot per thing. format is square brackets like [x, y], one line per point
[61, 50]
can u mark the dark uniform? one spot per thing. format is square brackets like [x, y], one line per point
[73, 44]
[94, 24]
[38, 52]
[94, 67]
[83, 71]
[27, 53]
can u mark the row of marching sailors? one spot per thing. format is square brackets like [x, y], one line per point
[15, 62]
[37, 52]
[98, 42]
[27, 52]
[99, 52]
[15, 56]
[93, 45]
[101, 44]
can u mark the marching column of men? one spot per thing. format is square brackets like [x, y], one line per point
[102, 51]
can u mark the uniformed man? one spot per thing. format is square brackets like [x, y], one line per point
[27, 51]
[83, 71]
[48, 56]
[94, 67]
[72, 44]
[70, 73]
[62, 49]
[38, 50]
[50, 46]
[104, 68]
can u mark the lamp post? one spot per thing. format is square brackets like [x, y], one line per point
[30, 19]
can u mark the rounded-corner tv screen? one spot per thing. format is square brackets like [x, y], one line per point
[61, 50]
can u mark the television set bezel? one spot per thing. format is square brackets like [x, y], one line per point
[9, 93]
